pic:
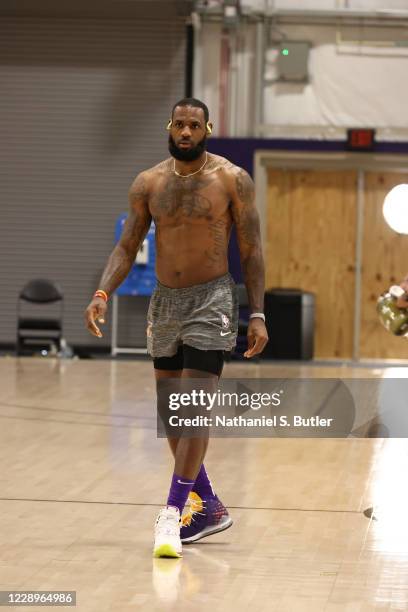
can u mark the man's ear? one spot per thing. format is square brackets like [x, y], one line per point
[170, 123]
[209, 128]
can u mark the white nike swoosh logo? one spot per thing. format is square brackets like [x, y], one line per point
[181, 482]
[225, 333]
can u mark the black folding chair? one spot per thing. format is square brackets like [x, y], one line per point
[43, 328]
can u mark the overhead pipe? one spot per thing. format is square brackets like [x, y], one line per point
[383, 44]
[382, 17]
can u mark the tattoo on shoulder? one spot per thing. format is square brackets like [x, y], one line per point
[216, 162]
[139, 188]
[165, 165]
[245, 187]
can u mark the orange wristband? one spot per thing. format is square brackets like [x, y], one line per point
[101, 294]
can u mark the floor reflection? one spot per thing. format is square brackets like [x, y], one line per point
[172, 578]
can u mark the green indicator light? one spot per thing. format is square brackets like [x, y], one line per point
[285, 51]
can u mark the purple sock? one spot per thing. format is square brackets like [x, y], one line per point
[179, 491]
[202, 485]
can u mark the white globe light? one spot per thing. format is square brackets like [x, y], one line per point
[395, 209]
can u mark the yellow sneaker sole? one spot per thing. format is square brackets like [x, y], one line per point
[166, 550]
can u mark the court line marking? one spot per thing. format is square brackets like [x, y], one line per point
[111, 503]
[44, 408]
[82, 423]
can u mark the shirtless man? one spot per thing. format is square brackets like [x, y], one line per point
[194, 198]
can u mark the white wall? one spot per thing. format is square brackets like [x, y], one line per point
[325, 4]
[350, 85]
[369, 4]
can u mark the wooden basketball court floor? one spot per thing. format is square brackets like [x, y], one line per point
[83, 476]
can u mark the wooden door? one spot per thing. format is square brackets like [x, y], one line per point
[311, 237]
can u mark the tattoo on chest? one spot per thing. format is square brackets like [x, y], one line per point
[183, 196]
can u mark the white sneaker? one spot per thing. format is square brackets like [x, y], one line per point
[167, 541]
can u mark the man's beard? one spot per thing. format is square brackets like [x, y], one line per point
[187, 155]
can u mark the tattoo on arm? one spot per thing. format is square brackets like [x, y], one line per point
[134, 231]
[138, 191]
[245, 187]
[249, 240]
[254, 276]
[246, 216]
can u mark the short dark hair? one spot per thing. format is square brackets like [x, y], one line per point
[195, 103]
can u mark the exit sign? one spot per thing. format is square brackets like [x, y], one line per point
[360, 139]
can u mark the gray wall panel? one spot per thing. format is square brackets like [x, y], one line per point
[83, 106]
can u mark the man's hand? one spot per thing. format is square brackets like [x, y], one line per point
[402, 302]
[257, 337]
[96, 310]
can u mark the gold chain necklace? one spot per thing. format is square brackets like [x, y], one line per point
[193, 173]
